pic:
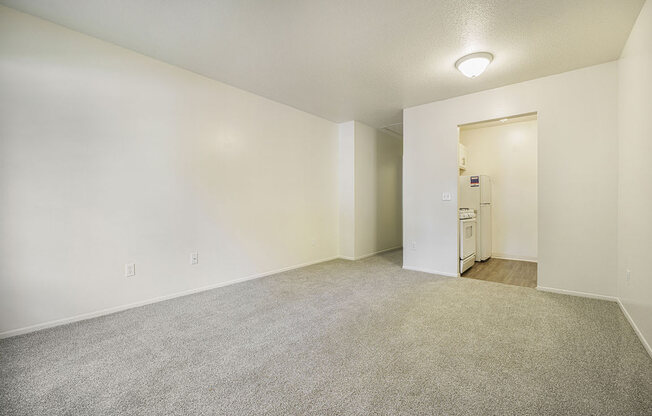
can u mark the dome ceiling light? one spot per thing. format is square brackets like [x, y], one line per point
[474, 64]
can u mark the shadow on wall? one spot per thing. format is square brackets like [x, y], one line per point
[388, 190]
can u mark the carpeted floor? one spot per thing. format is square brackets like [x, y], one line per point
[340, 338]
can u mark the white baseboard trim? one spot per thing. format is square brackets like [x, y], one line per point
[418, 269]
[108, 311]
[364, 256]
[580, 294]
[517, 258]
[638, 332]
[616, 299]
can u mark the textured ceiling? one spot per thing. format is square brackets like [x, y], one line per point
[346, 59]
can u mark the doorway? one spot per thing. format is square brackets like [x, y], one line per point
[497, 196]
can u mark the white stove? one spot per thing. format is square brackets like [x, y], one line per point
[467, 218]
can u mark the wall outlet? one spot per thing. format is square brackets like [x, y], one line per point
[413, 246]
[194, 258]
[130, 269]
[446, 196]
[628, 274]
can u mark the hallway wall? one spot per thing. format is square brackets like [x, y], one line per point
[635, 175]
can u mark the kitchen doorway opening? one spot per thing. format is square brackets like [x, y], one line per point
[497, 200]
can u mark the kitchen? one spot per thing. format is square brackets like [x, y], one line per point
[497, 200]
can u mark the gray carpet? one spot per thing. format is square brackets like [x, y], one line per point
[345, 338]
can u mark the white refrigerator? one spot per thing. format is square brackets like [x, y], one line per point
[475, 193]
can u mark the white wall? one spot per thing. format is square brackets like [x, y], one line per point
[635, 179]
[109, 157]
[378, 219]
[577, 172]
[508, 154]
[370, 190]
[347, 189]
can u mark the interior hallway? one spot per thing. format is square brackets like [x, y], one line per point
[341, 337]
[511, 272]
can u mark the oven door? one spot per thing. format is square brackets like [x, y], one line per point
[467, 238]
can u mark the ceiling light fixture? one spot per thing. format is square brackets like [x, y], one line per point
[474, 64]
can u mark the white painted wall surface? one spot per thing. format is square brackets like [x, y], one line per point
[378, 219]
[577, 171]
[635, 199]
[109, 157]
[346, 180]
[508, 154]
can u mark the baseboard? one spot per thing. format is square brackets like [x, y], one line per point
[638, 332]
[580, 294]
[418, 269]
[95, 314]
[510, 257]
[371, 254]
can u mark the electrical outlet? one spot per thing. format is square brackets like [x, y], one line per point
[194, 258]
[446, 196]
[628, 274]
[130, 269]
[414, 245]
